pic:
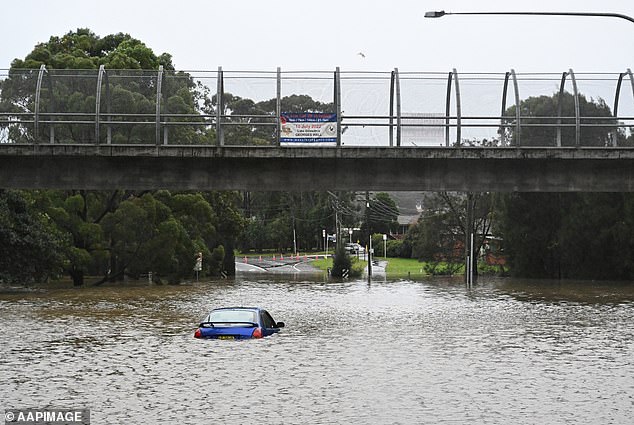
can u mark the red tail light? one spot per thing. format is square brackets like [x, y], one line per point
[257, 333]
[198, 333]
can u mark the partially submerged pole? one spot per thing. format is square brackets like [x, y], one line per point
[369, 245]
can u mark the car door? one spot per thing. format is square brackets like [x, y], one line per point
[268, 323]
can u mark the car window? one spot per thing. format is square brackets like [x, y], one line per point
[232, 316]
[267, 320]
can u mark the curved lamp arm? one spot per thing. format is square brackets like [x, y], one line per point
[441, 13]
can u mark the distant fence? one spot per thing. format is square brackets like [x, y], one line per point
[244, 108]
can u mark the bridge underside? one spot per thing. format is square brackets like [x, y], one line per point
[304, 169]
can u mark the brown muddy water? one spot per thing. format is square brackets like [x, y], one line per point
[390, 352]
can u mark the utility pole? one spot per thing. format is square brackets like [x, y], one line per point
[369, 245]
[294, 232]
[337, 232]
[470, 259]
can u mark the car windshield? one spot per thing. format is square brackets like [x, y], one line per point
[232, 316]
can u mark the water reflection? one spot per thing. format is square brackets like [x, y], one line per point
[397, 351]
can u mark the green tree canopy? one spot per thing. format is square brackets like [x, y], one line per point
[83, 49]
[30, 245]
[115, 233]
[568, 235]
[598, 124]
[129, 90]
[439, 235]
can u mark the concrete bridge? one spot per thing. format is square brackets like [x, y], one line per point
[47, 142]
[304, 169]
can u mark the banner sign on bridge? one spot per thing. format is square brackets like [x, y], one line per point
[308, 129]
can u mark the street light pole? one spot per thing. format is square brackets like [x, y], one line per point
[441, 13]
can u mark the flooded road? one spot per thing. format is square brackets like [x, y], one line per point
[432, 351]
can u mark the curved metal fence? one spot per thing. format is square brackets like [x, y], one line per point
[245, 108]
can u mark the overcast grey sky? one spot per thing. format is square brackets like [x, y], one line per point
[302, 35]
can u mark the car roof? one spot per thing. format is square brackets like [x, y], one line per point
[238, 308]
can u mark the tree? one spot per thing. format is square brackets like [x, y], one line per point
[440, 234]
[77, 214]
[70, 86]
[114, 233]
[273, 216]
[529, 225]
[544, 110]
[148, 238]
[30, 246]
[200, 221]
[568, 235]
[595, 237]
[229, 225]
[341, 263]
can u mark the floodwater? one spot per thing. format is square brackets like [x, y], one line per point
[390, 352]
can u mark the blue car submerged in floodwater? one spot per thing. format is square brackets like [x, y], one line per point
[237, 323]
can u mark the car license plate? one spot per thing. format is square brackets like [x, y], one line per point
[226, 337]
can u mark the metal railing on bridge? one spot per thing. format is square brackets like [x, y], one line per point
[238, 108]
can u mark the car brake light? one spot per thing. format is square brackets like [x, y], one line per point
[198, 333]
[257, 333]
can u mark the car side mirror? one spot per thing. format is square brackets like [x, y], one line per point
[279, 325]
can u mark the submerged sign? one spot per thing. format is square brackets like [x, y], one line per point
[314, 129]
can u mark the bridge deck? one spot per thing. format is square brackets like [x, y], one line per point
[266, 168]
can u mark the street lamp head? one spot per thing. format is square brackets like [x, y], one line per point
[435, 14]
[441, 13]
